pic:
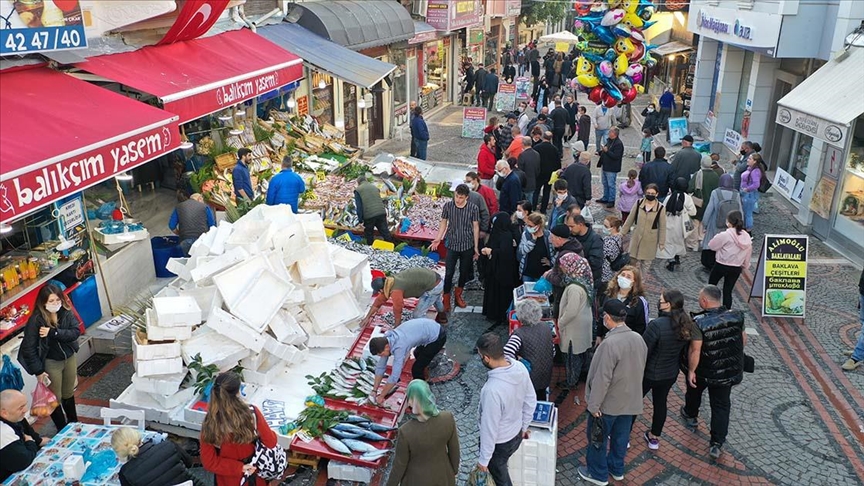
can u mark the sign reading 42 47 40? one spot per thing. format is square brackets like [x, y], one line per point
[28, 26]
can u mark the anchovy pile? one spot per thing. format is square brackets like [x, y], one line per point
[388, 262]
[425, 212]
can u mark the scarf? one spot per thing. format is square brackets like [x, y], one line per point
[577, 271]
[675, 204]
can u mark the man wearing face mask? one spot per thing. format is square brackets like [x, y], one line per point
[550, 162]
[524, 119]
[563, 200]
[487, 192]
[613, 391]
[511, 188]
[507, 403]
[477, 199]
[592, 245]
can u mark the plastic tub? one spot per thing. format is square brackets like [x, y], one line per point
[164, 248]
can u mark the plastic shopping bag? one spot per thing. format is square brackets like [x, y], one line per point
[543, 286]
[44, 401]
[480, 478]
[10, 376]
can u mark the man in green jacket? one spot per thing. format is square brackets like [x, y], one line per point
[371, 210]
[422, 283]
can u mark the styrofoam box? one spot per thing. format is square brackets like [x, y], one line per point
[197, 416]
[208, 298]
[142, 352]
[315, 268]
[205, 269]
[179, 267]
[253, 361]
[261, 299]
[159, 384]
[347, 262]
[232, 281]
[253, 235]
[223, 231]
[280, 215]
[333, 312]
[177, 311]
[174, 400]
[155, 332]
[214, 348]
[277, 264]
[284, 352]
[296, 298]
[114, 238]
[339, 337]
[293, 242]
[236, 330]
[167, 366]
[313, 225]
[319, 293]
[284, 326]
[266, 372]
[348, 472]
[202, 245]
[132, 399]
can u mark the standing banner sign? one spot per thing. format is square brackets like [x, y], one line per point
[473, 122]
[28, 26]
[506, 99]
[523, 88]
[677, 130]
[781, 276]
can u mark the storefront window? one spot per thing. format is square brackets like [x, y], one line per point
[432, 93]
[492, 47]
[322, 97]
[743, 88]
[850, 207]
[400, 78]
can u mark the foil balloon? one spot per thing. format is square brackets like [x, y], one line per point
[650, 61]
[610, 88]
[612, 17]
[638, 52]
[584, 66]
[604, 34]
[629, 95]
[632, 20]
[649, 24]
[608, 101]
[596, 94]
[583, 7]
[646, 12]
[588, 80]
[614, 3]
[621, 64]
[624, 46]
[639, 88]
[605, 70]
[630, 6]
[624, 83]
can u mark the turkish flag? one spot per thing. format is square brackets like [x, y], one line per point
[194, 20]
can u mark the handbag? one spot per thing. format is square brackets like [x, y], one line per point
[749, 364]
[622, 260]
[764, 185]
[270, 463]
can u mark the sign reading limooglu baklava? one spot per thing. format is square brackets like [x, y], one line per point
[785, 274]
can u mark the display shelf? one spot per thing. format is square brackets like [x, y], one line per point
[13, 295]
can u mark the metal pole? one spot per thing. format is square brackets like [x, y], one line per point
[96, 254]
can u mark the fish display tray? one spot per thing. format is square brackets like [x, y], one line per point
[317, 447]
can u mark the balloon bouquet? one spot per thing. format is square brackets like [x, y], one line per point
[614, 51]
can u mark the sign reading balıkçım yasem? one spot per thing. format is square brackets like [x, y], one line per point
[784, 275]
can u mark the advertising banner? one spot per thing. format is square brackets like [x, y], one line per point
[28, 26]
[785, 276]
[447, 15]
[473, 122]
[677, 130]
[523, 88]
[505, 101]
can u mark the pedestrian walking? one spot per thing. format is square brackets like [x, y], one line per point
[371, 209]
[230, 431]
[563, 200]
[667, 106]
[612, 393]
[517, 145]
[504, 134]
[530, 161]
[425, 336]
[721, 365]
[507, 403]
[611, 156]
[524, 119]
[645, 146]
[733, 249]
[715, 164]
[479, 85]
[475, 198]
[550, 162]
[460, 231]
[629, 193]
[572, 115]
[147, 462]
[556, 277]
[752, 181]
[592, 243]
[48, 350]
[427, 445]
[604, 119]
[499, 268]
[286, 186]
[721, 203]
[486, 159]
[613, 247]
[666, 339]
[583, 133]
[701, 186]
[511, 187]
[411, 107]
[535, 249]
[658, 172]
[523, 209]
[578, 177]
[679, 209]
[856, 356]
[424, 284]
[687, 161]
[561, 120]
[575, 317]
[653, 120]
[626, 286]
[490, 89]
[648, 222]
[419, 133]
[532, 343]
[472, 180]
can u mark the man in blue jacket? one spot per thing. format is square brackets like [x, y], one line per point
[511, 190]
[490, 87]
[286, 186]
[419, 133]
[241, 177]
[667, 106]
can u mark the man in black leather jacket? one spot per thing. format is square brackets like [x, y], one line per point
[721, 365]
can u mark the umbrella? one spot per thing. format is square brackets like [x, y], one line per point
[563, 36]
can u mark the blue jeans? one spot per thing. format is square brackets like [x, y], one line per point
[600, 137]
[748, 204]
[609, 187]
[428, 299]
[421, 149]
[609, 457]
[858, 353]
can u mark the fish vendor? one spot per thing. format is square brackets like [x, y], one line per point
[425, 336]
[422, 283]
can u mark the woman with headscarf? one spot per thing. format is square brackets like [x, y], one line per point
[679, 210]
[532, 343]
[576, 315]
[722, 201]
[701, 186]
[427, 446]
[499, 268]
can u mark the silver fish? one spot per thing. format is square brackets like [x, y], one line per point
[341, 434]
[367, 434]
[377, 427]
[373, 456]
[359, 446]
[336, 444]
[355, 419]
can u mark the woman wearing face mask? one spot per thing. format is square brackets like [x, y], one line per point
[535, 249]
[652, 119]
[679, 209]
[49, 347]
[626, 286]
[613, 246]
[427, 447]
[666, 337]
[523, 209]
[751, 180]
[648, 221]
[575, 318]
[733, 248]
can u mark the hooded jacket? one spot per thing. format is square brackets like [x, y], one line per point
[733, 249]
[507, 403]
[60, 344]
[592, 245]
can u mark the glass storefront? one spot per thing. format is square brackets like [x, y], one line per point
[492, 51]
[400, 77]
[435, 55]
[850, 204]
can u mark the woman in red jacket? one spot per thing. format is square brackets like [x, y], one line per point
[229, 432]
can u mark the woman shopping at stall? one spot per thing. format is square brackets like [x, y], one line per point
[499, 268]
[626, 286]
[576, 317]
[535, 250]
[49, 350]
[427, 447]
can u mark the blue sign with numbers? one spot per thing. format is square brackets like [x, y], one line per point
[41, 39]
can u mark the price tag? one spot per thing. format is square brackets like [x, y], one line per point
[304, 436]
[321, 176]
[397, 203]
[344, 237]
[312, 196]
[432, 191]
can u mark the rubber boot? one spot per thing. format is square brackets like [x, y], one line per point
[460, 302]
[69, 408]
[446, 298]
[59, 418]
[441, 318]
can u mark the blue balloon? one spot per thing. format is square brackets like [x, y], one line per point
[594, 58]
[649, 24]
[613, 90]
[604, 34]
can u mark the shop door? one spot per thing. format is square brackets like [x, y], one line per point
[350, 111]
[413, 82]
[781, 138]
[376, 115]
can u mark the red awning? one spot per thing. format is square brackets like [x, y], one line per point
[60, 135]
[202, 76]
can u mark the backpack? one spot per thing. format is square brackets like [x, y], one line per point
[724, 207]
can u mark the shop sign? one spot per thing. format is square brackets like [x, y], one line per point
[505, 101]
[213, 100]
[475, 36]
[421, 37]
[28, 26]
[303, 105]
[194, 20]
[473, 122]
[782, 276]
[677, 130]
[447, 15]
[813, 126]
[784, 183]
[512, 8]
[732, 140]
[745, 28]
[48, 182]
[71, 214]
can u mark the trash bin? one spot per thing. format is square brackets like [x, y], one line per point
[165, 247]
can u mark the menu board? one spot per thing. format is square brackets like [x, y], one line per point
[782, 270]
[506, 99]
[473, 122]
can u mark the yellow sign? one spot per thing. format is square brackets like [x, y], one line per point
[321, 176]
[432, 191]
[562, 47]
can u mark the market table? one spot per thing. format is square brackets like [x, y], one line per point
[75, 438]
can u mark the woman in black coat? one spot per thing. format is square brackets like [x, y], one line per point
[652, 120]
[149, 462]
[499, 268]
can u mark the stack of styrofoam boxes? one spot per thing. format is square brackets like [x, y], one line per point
[535, 461]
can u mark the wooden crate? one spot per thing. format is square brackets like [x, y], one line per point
[226, 161]
[295, 459]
